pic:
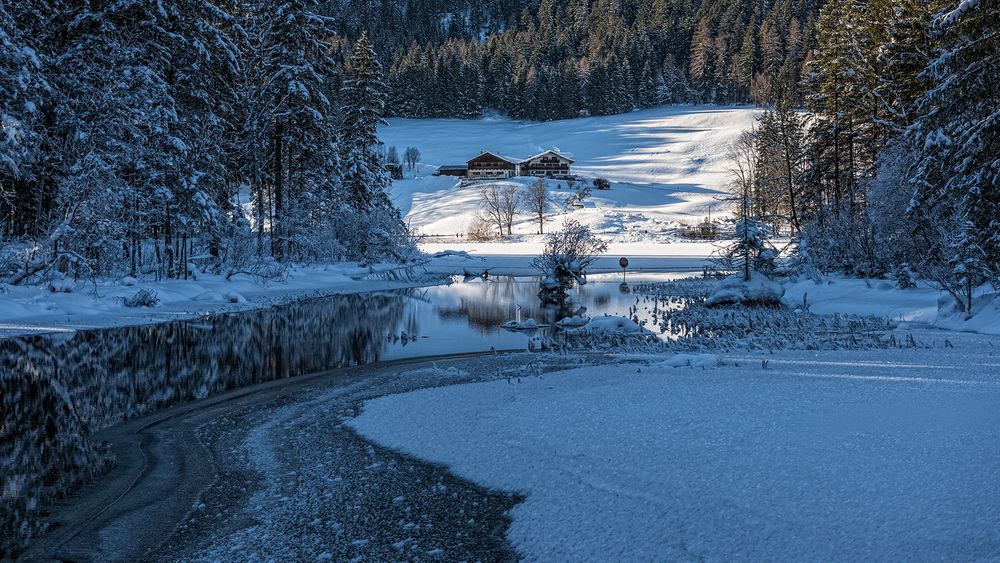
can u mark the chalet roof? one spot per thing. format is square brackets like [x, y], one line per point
[550, 151]
[499, 156]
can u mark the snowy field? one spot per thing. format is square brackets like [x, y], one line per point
[860, 455]
[666, 165]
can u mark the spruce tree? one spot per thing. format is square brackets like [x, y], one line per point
[957, 177]
[363, 101]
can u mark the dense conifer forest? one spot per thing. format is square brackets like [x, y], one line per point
[554, 59]
[141, 137]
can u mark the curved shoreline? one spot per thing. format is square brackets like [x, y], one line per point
[163, 468]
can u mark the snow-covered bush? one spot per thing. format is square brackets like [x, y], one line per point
[526, 324]
[142, 298]
[905, 277]
[61, 284]
[564, 262]
[735, 290]
[576, 199]
[751, 250]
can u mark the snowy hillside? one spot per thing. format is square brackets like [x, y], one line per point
[666, 165]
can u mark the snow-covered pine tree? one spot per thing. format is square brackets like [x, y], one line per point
[956, 180]
[116, 167]
[780, 135]
[22, 92]
[296, 119]
[363, 101]
[26, 97]
[371, 225]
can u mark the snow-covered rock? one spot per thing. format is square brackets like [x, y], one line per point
[610, 325]
[526, 324]
[61, 285]
[759, 290]
[574, 321]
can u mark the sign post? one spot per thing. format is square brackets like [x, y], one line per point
[623, 262]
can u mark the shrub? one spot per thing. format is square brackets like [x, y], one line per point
[142, 298]
[602, 183]
[480, 230]
[565, 260]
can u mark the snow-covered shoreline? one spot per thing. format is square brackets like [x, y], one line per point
[36, 309]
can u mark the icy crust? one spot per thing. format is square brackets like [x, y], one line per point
[322, 493]
[758, 290]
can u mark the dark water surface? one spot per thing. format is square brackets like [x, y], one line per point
[57, 390]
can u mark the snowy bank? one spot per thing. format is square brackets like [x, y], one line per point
[514, 257]
[89, 304]
[880, 297]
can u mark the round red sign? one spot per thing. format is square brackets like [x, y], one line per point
[623, 262]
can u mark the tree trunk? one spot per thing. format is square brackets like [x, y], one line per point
[277, 236]
[134, 249]
[167, 245]
[184, 255]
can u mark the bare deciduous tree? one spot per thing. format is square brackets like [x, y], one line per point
[501, 203]
[565, 260]
[411, 156]
[537, 200]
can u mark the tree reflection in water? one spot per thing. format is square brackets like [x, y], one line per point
[495, 301]
[56, 391]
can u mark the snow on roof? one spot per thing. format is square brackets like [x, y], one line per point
[514, 160]
[498, 155]
[550, 151]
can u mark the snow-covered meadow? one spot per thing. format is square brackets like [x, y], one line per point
[666, 165]
[860, 455]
